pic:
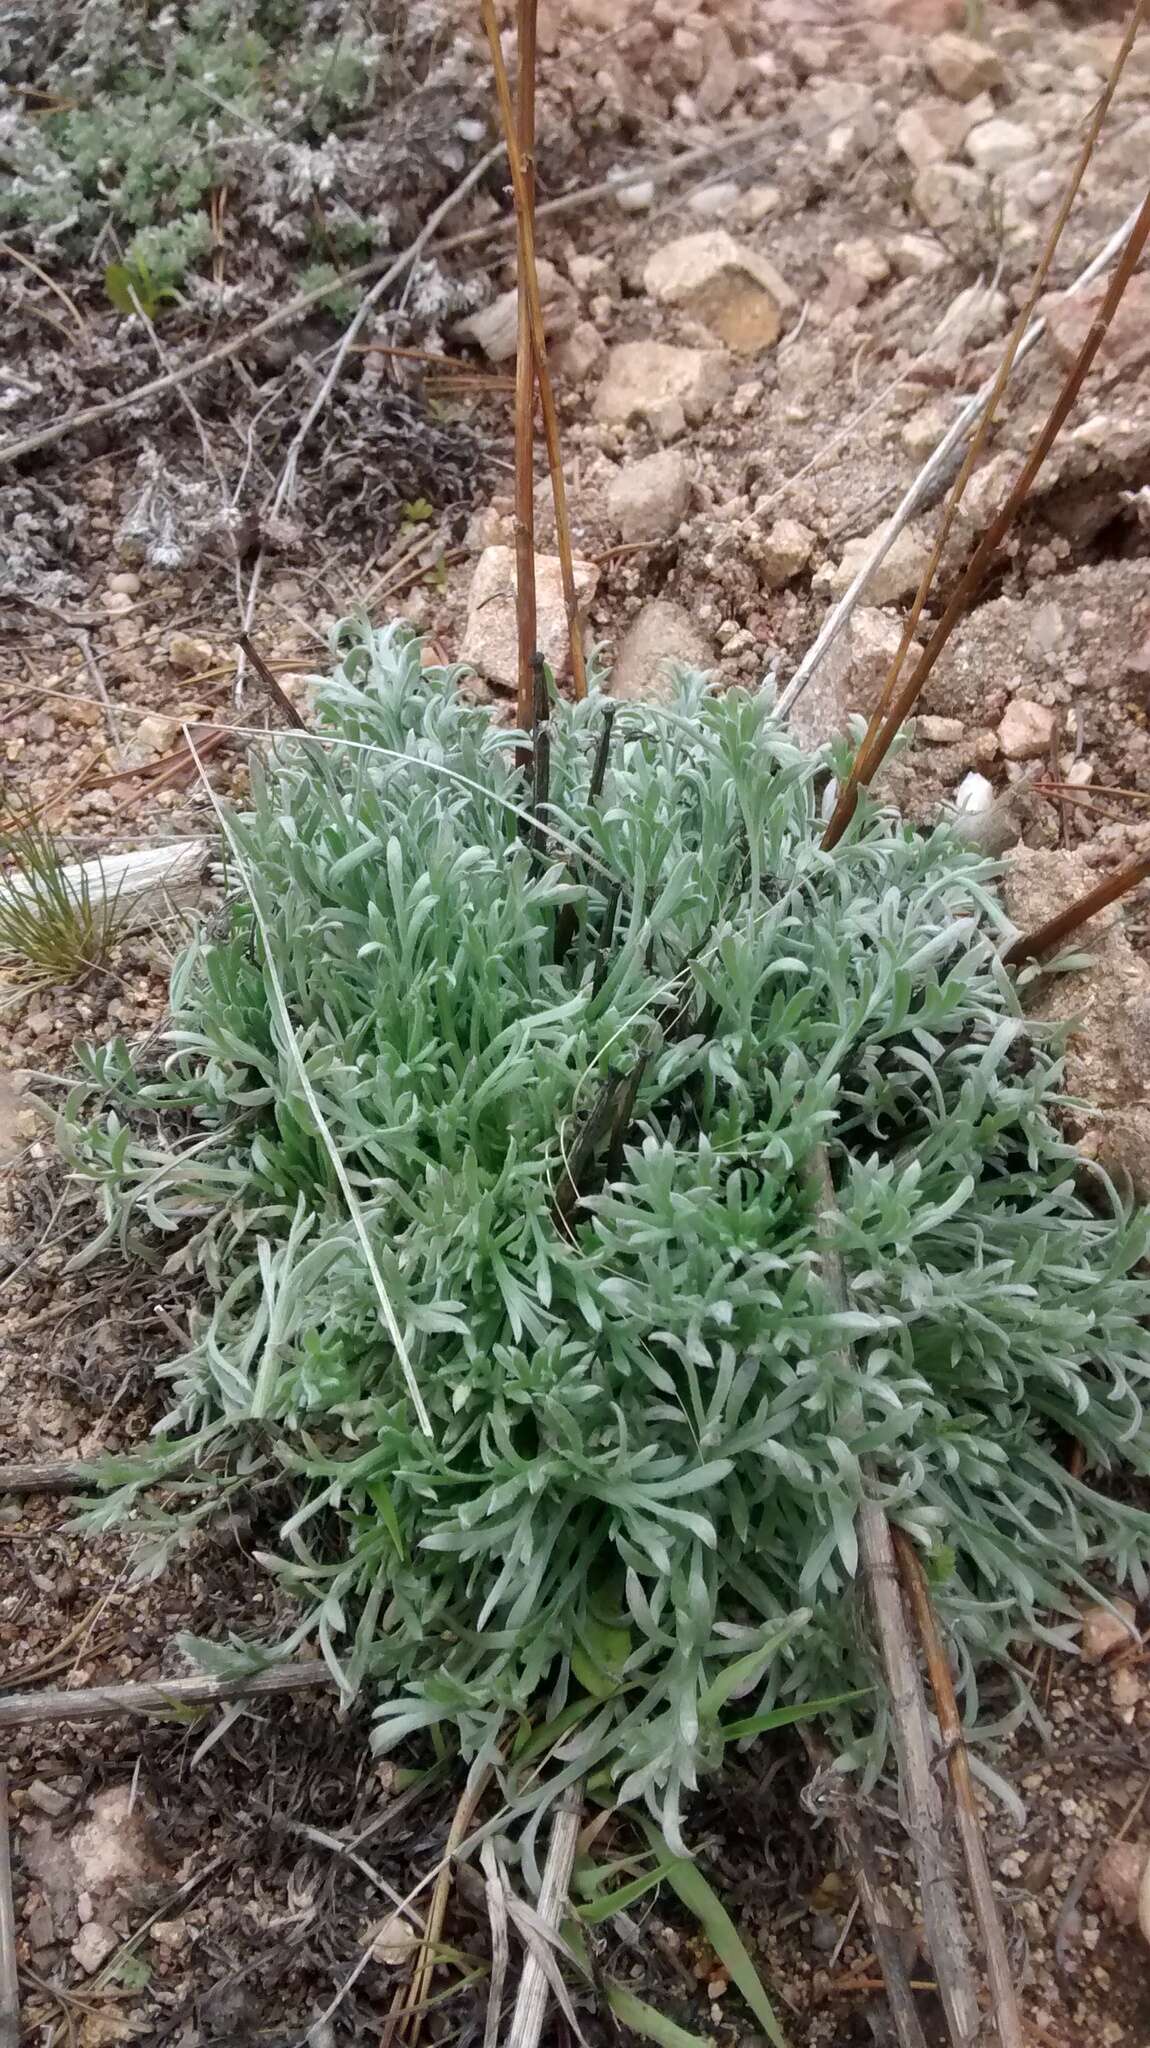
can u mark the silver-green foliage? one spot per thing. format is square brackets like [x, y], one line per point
[650, 1427]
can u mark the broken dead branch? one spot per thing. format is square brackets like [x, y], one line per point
[136, 885]
[102, 1702]
[58, 1476]
[531, 2003]
[1000, 1982]
[9, 1970]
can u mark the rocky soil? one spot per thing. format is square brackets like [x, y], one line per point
[809, 227]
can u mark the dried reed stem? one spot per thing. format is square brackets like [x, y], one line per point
[101, 1702]
[984, 553]
[1031, 945]
[410, 2001]
[1001, 380]
[999, 1980]
[9, 1968]
[531, 2002]
[525, 606]
[529, 289]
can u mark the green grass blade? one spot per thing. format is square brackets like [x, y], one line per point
[784, 1717]
[654, 2026]
[693, 1891]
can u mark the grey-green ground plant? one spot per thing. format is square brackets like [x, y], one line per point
[486, 1125]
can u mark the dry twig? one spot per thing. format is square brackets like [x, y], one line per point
[101, 1702]
[9, 1971]
[531, 2003]
[529, 288]
[277, 696]
[998, 1974]
[525, 606]
[1032, 945]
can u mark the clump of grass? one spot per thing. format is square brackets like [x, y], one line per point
[555, 1086]
[57, 922]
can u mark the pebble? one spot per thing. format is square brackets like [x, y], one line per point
[945, 194]
[1026, 730]
[490, 642]
[116, 601]
[787, 549]
[189, 655]
[47, 1799]
[895, 577]
[635, 198]
[647, 500]
[939, 732]
[92, 1946]
[736, 292]
[1107, 1629]
[661, 637]
[995, 145]
[668, 387]
[974, 794]
[125, 583]
[962, 67]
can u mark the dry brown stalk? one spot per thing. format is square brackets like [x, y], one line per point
[1002, 378]
[410, 2001]
[971, 579]
[525, 607]
[1000, 1982]
[278, 697]
[529, 288]
[1032, 945]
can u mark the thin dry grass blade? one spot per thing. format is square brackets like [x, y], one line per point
[529, 287]
[984, 553]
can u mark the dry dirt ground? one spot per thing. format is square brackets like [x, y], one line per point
[169, 1895]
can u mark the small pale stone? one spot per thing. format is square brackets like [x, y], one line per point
[46, 1798]
[495, 328]
[581, 352]
[924, 429]
[974, 794]
[1026, 730]
[662, 637]
[931, 131]
[394, 1941]
[669, 387]
[732, 289]
[125, 583]
[637, 197]
[917, 256]
[962, 67]
[1119, 1879]
[863, 258]
[713, 202]
[648, 500]
[939, 732]
[947, 193]
[1107, 1629]
[490, 642]
[995, 145]
[786, 551]
[189, 655]
[756, 203]
[720, 79]
[92, 1946]
[116, 602]
[895, 577]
